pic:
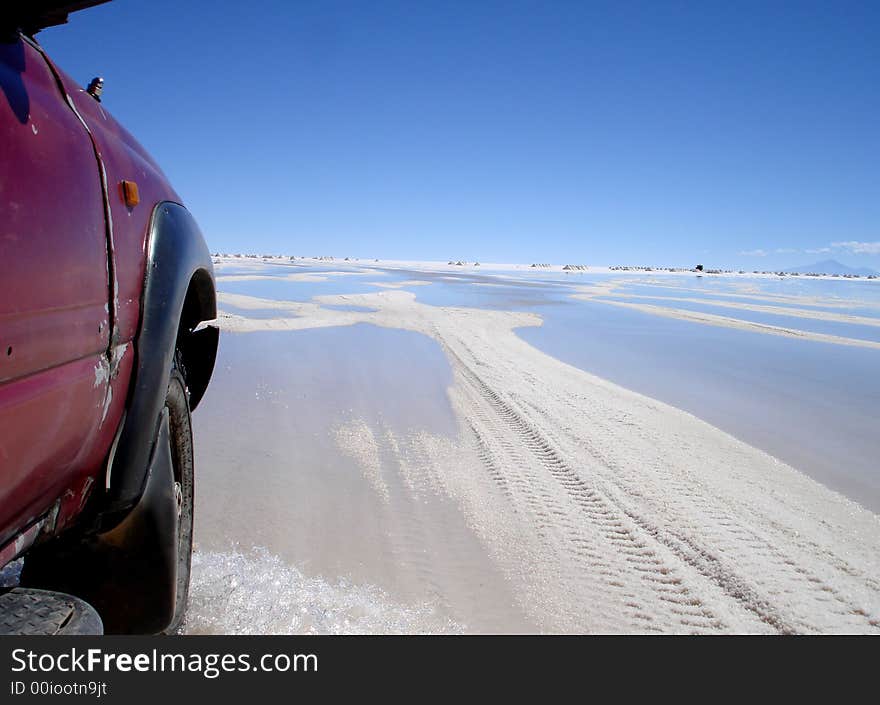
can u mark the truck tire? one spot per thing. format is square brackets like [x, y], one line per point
[181, 442]
[137, 574]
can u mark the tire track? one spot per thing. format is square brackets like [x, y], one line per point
[579, 567]
[642, 562]
[724, 525]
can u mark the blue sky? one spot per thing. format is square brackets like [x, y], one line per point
[662, 133]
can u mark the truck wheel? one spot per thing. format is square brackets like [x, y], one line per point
[180, 437]
[137, 574]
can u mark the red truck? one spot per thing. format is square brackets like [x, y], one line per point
[105, 287]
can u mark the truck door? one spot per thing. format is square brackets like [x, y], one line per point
[54, 297]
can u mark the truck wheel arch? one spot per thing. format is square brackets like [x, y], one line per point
[178, 295]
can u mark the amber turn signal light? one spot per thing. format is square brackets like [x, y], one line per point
[130, 193]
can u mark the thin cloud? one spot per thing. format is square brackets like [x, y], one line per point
[858, 248]
[851, 246]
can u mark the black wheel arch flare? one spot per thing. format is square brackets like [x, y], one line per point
[178, 294]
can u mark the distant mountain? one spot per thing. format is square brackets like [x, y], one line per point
[831, 266]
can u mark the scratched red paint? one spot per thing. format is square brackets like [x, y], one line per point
[62, 288]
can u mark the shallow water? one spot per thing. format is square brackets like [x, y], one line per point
[298, 533]
[813, 405]
[840, 289]
[858, 307]
[838, 328]
[281, 504]
[256, 592]
[280, 289]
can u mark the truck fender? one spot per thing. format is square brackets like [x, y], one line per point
[178, 294]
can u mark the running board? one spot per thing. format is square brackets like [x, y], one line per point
[29, 612]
